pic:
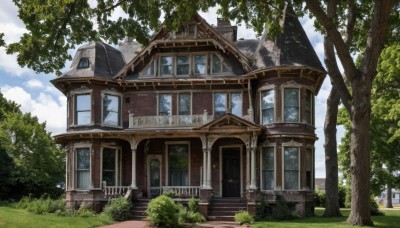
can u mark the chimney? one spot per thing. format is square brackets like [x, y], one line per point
[225, 28]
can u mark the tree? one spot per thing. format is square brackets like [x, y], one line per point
[53, 29]
[34, 164]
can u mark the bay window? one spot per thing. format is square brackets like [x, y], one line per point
[268, 106]
[82, 109]
[268, 168]
[309, 107]
[82, 168]
[291, 102]
[111, 110]
[291, 168]
[178, 164]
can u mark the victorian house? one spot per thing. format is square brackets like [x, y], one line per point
[197, 112]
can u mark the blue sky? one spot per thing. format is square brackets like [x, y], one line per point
[37, 95]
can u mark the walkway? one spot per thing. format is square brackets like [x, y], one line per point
[142, 224]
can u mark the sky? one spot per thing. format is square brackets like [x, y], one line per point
[35, 93]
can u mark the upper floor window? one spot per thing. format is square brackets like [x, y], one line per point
[83, 63]
[164, 104]
[82, 109]
[150, 69]
[221, 104]
[291, 110]
[166, 65]
[268, 106]
[309, 107]
[186, 30]
[218, 65]
[82, 169]
[182, 65]
[268, 168]
[291, 168]
[200, 64]
[111, 110]
[184, 104]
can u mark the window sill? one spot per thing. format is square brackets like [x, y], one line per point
[113, 126]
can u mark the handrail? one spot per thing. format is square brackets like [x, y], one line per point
[115, 191]
[181, 191]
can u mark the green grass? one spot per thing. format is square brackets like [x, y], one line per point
[12, 217]
[390, 219]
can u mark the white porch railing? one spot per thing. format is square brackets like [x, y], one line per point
[181, 191]
[114, 191]
[172, 120]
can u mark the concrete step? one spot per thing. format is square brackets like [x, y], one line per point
[220, 218]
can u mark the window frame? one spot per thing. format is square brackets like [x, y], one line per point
[75, 176]
[298, 164]
[223, 64]
[115, 94]
[118, 164]
[206, 55]
[310, 94]
[153, 65]
[228, 101]
[172, 56]
[178, 104]
[312, 169]
[167, 144]
[262, 166]
[185, 34]
[298, 88]
[83, 59]
[274, 107]
[158, 103]
[75, 105]
[175, 73]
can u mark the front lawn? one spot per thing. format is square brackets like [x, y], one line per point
[390, 219]
[12, 217]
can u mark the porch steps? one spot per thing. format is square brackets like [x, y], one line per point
[224, 209]
[139, 208]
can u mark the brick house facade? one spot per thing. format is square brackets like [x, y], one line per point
[196, 112]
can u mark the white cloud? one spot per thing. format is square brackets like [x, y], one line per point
[45, 107]
[34, 83]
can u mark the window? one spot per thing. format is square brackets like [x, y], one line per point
[184, 104]
[164, 104]
[186, 30]
[83, 63]
[291, 105]
[236, 103]
[166, 65]
[309, 107]
[82, 168]
[268, 106]
[268, 167]
[182, 65]
[218, 65]
[309, 169]
[110, 159]
[178, 160]
[220, 104]
[111, 110]
[291, 166]
[149, 69]
[82, 109]
[200, 64]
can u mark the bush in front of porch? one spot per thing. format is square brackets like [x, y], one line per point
[162, 211]
[118, 209]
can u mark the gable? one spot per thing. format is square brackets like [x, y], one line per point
[194, 36]
[229, 122]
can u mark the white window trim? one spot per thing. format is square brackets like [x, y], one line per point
[74, 117]
[193, 55]
[228, 108]
[74, 176]
[261, 165]
[167, 160]
[241, 167]
[260, 105]
[172, 55]
[118, 164]
[175, 66]
[112, 93]
[191, 102]
[283, 102]
[158, 103]
[291, 144]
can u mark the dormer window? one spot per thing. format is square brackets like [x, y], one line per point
[83, 63]
[186, 30]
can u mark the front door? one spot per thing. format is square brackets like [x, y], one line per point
[154, 175]
[231, 172]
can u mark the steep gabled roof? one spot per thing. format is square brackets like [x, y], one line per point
[214, 38]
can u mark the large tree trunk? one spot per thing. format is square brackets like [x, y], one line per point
[389, 196]
[332, 208]
[360, 153]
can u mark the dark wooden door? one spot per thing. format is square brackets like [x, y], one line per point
[231, 172]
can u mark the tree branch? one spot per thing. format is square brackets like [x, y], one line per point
[351, 21]
[334, 35]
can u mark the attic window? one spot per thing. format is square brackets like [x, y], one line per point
[83, 63]
[186, 30]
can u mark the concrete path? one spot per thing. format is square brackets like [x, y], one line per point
[141, 224]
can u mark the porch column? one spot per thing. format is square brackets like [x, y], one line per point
[204, 168]
[133, 185]
[209, 168]
[247, 167]
[253, 169]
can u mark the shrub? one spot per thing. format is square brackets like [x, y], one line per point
[86, 210]
[319, 198]
[190, 216]
[244, 217]
[42, 205]
[193, 205]
[118, 209]
[374, 207]
[162, 211]
[282, 210]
